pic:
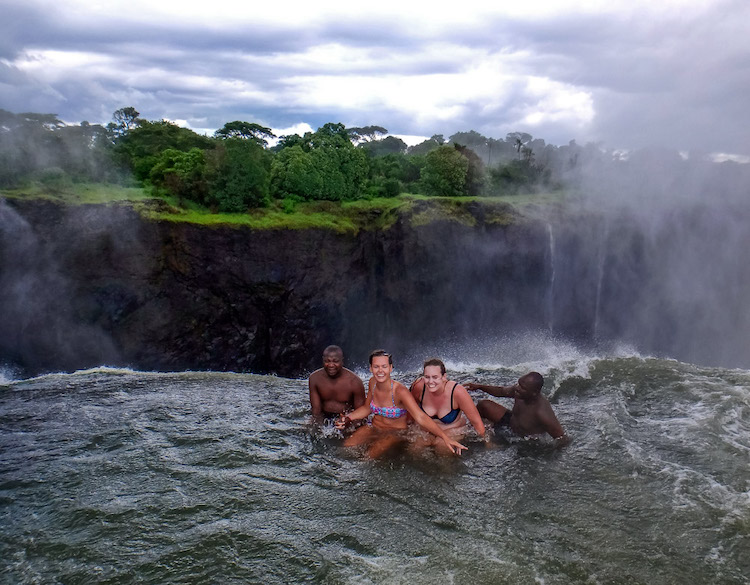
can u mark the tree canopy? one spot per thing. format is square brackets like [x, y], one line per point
[247, 131]
[321, 165]
[445, 171]
[234, 170]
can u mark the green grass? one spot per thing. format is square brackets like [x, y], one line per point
[348, 216]
[345, 217]
[77, 193]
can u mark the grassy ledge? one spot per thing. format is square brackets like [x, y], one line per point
[340, 217]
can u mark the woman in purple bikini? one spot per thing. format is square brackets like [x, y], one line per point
[389, 402]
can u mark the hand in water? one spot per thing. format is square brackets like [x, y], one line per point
[455, 446]
[342, 422]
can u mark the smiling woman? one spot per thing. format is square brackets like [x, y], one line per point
[389, 402]
[446, 402]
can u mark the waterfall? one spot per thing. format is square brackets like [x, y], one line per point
[551, 290]
[602, 256]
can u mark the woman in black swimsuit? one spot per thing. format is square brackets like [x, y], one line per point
[445, 401]
[389, 402]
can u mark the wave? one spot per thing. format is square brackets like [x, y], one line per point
[10, 377]
[562, 362]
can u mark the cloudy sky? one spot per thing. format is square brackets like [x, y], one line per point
[626, 73]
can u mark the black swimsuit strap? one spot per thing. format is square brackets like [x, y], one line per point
[424, 387]
[452, 391]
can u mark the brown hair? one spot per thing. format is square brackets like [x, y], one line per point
[434, 362]
[380, 353]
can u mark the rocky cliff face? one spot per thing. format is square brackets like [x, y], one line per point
[89, 285]
[97, 284]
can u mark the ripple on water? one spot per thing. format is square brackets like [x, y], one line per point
[127, 477]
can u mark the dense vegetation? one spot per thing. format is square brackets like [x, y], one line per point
[236, 169]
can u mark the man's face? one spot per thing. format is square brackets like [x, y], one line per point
[522, 391]
[333, 363]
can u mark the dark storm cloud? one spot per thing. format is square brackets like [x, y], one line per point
[676, 79]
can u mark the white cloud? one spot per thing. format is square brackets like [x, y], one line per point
[557, 102]
[302, 128]
[625, 72]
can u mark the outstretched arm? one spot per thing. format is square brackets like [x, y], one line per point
[406, 400]
[358, 413]
[499, 391]
[467, 406]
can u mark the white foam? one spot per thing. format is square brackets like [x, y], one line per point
[7, 376]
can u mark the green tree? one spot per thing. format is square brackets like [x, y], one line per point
[388, 145]
[238, 175]
[247, 131]
[322, 165]
[474, 182]
[445, 171]
[394, 172]
[430, 144]
[366, 133]
[294, 174]
[517, 176]
[139, 149]
[123, 120]
[288, 141]
[181, 174]
[330, 135]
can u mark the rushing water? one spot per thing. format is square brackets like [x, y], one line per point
[116, 476]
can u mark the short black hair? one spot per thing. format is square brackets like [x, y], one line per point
[533, 380]
[333, 349]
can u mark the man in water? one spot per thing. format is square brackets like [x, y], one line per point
[333, 388]
[532, 413]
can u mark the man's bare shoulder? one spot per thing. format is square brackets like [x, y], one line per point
[346, 377]
[351, 376]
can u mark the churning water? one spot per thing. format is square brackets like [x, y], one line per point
[116, 476]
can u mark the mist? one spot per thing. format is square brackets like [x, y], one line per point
[43, 326]
[664, 266]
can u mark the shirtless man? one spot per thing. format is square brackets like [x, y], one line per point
[531, 414]
[333, 388]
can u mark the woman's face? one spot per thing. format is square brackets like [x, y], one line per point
[434, 379]
[380, 368]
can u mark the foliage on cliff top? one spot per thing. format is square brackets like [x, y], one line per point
[349, 216]
[77, 193]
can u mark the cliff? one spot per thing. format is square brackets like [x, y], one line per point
[94, 284]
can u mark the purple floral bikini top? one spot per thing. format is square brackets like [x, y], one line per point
[388, 411]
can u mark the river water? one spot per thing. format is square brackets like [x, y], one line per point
[118, 476]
